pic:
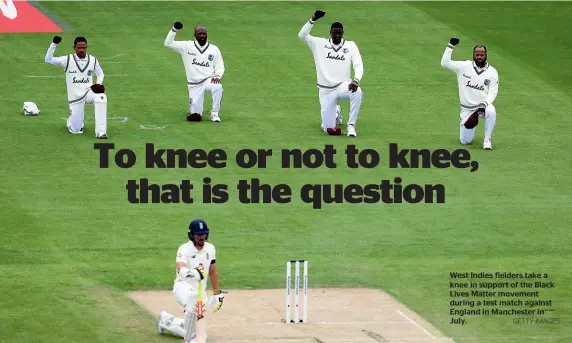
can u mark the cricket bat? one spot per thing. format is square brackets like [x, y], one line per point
[200, 301]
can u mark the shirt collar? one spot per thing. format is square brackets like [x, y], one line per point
[480, 70]
[341, 42]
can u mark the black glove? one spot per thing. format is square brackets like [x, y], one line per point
[178, 25]
[57, 39]
[319, 14]
[454, 41]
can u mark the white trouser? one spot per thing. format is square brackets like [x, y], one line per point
[197, 96]
[329, 100]
[466, 135]
[75, 122]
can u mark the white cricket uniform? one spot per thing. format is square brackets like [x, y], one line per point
[193, 258]
[202, 64]
[79, 78]
[185, 290]
[476, 86]
[333, 69]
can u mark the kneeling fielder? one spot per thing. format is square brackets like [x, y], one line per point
[204, 67]
[478, 89]
[79, 69]
[196, 261]
[334, 58]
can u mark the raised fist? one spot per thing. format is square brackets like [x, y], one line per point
[57, 40]
[318, 14]
[454, 41]
[178, 25]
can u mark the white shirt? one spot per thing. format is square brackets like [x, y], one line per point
[193, 258]
[201, 62]
[333, 62]
[476, 85]
[79, 72]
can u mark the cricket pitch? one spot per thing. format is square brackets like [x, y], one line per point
[334, 316]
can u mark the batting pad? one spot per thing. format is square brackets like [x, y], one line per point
[190, 320]
[100, 104]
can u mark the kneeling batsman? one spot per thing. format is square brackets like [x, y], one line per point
[196, 265]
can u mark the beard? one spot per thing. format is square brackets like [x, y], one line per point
[481, 64]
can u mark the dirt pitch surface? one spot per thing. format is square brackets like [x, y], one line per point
[334, 316]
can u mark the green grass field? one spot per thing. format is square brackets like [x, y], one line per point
[71, 243]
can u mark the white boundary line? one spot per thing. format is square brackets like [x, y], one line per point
[153, 127]
[109, 58]
[414, 323]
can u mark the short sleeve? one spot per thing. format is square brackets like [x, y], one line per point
[181, 256]
[213, 258]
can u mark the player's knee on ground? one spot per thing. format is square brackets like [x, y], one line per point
[100, 98]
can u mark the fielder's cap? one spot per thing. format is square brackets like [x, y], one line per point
[473, 120]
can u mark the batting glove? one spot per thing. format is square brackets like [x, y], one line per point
[454, 41]
[57, 40]
[198, 273]
[178, 25]
[215, 302]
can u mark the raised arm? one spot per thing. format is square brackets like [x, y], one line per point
[170, 41]
[446, 61]
[57, 61]
[304, 33]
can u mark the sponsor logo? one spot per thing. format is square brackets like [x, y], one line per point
[477, 87]
[336, 57]
[82, 80]
[201, 64]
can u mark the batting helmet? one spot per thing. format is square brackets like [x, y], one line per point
[198, 227]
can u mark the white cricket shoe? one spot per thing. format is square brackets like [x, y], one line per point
[351, 130]
[487, 145]
[163, 320]
[215, 118]
[101, 135]
[160, 320]
[70, 129]
[339, 117]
